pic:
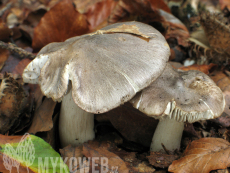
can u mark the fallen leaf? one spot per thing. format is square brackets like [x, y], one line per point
[128, 10]
[93, 149]
[61, 22]
[32, 21]
[204, 68]
[28, 153]
[99, 12]
[144, 11]
[51, 136]
[203, 156]
[42, 120]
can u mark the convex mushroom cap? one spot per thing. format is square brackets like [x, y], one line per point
[106, 68]
[182, 96]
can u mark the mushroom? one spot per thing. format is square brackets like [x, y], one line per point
[176, 97]
[102, 71]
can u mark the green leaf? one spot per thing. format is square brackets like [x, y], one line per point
[29, 153]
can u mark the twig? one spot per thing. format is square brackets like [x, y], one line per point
[14, 49]
[166, 150]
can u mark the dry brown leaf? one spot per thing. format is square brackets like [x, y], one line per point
[204, 68]
[94, 149]
[31, 21]
[119, 160]
[203, 156]
[42, 120]
[128, 10]
[51, 136]
[99, 12]
[145, 11]
[59, 24]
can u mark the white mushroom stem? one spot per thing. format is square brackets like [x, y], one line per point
[76, 126]
[168, 133]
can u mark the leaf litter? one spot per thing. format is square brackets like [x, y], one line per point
[32, 25]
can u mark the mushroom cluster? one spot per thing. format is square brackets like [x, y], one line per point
[97, 72]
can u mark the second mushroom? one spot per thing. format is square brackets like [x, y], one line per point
[176, 97]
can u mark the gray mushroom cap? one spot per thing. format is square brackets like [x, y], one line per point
[106, 68]
[185, 96]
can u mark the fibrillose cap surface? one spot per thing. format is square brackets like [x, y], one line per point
[106, 68]
[186, 96]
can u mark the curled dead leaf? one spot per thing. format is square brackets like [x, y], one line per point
[99, 12]
[203, 156]
[58, 24]
[42, 120]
